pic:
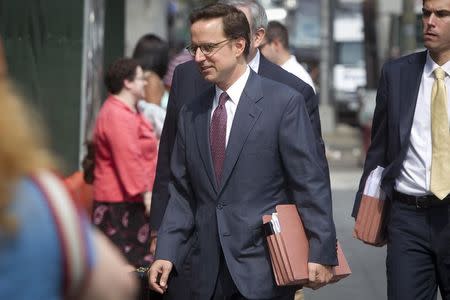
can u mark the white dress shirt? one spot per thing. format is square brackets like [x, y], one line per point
[294, 67]
[254, 63]
[414, 178]
[234, 92]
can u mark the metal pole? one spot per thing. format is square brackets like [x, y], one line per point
[408, 40]
[326, 108]
[92, 68]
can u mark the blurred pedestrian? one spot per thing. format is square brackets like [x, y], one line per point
[411, 141]
[39, 259]
[181, 57]
[152, 54]
[125, 160]
[220, 191]
[275, 48]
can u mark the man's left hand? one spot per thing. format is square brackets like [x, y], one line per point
[319, 275]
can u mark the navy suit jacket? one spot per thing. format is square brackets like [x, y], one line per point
[268, 162]
[188, 83]
[393, 117]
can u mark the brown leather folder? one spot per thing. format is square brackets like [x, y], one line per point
[289, 249]
[370, 225]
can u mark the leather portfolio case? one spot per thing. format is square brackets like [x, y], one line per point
[370, 225]
[289, 248]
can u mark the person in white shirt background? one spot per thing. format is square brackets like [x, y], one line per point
[275, 48]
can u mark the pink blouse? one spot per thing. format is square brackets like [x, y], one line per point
[126, 151]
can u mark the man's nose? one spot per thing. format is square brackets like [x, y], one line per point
[431, 19]
[199, 56]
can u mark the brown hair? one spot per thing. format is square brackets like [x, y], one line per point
[121, 69]
[23, 148]
[235, 23]
[277, 31]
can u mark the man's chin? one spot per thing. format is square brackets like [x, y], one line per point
[209, 77]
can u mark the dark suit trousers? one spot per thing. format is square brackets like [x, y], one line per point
[227, 290]
[418, 252]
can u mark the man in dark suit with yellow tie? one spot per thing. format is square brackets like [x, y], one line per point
[411, 141]
[241, 149]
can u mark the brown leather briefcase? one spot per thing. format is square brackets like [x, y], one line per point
[289, 248]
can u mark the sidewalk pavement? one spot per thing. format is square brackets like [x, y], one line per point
[345, 157]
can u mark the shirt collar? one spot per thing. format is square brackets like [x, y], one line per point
[119, 103]
[430, 66]
[236, 89]
[254, 63]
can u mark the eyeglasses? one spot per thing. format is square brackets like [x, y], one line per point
[207, 48]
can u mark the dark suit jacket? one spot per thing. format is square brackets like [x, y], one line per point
[268, 162]
[393, 117]
[188, 83]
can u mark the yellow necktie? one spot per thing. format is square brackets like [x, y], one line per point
[440, 137]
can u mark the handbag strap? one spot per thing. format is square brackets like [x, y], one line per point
[69, 229]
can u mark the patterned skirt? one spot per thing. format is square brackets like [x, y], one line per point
[127, 226]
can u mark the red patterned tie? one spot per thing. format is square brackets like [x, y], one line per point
[217, 135]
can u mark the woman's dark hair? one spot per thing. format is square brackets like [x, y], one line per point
[88, 163]
[121, 69]
[152, 54]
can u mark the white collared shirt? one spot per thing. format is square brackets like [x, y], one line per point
[254, 63]
[295, 68]
[234, 92]
[414, 178]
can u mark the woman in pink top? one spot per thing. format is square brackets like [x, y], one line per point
[125, 161]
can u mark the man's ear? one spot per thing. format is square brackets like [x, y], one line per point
[258, 37]
[239, 44]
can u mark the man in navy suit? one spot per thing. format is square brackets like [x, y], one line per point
[416, 176]
[241, 149]
[188, 83]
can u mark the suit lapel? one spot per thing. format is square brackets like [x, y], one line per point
[411, 75]
[264, 64]
[202, 124]
[245, 117]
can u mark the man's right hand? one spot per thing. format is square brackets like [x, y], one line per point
[159, 274]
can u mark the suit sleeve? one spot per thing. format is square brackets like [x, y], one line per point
[312, 106]
[160, 195]
[376, 154]
[178, 222]
[308, 182]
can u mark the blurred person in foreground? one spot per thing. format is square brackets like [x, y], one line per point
[125, 161]
[32, 256]
[220, 190]
[152, 54]
[411, 141]
[275, 48]
[80, 182]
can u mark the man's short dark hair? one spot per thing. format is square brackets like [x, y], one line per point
[235, 24]
[277, 31]
[121, 69]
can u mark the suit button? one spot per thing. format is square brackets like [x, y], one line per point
[219, 206]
